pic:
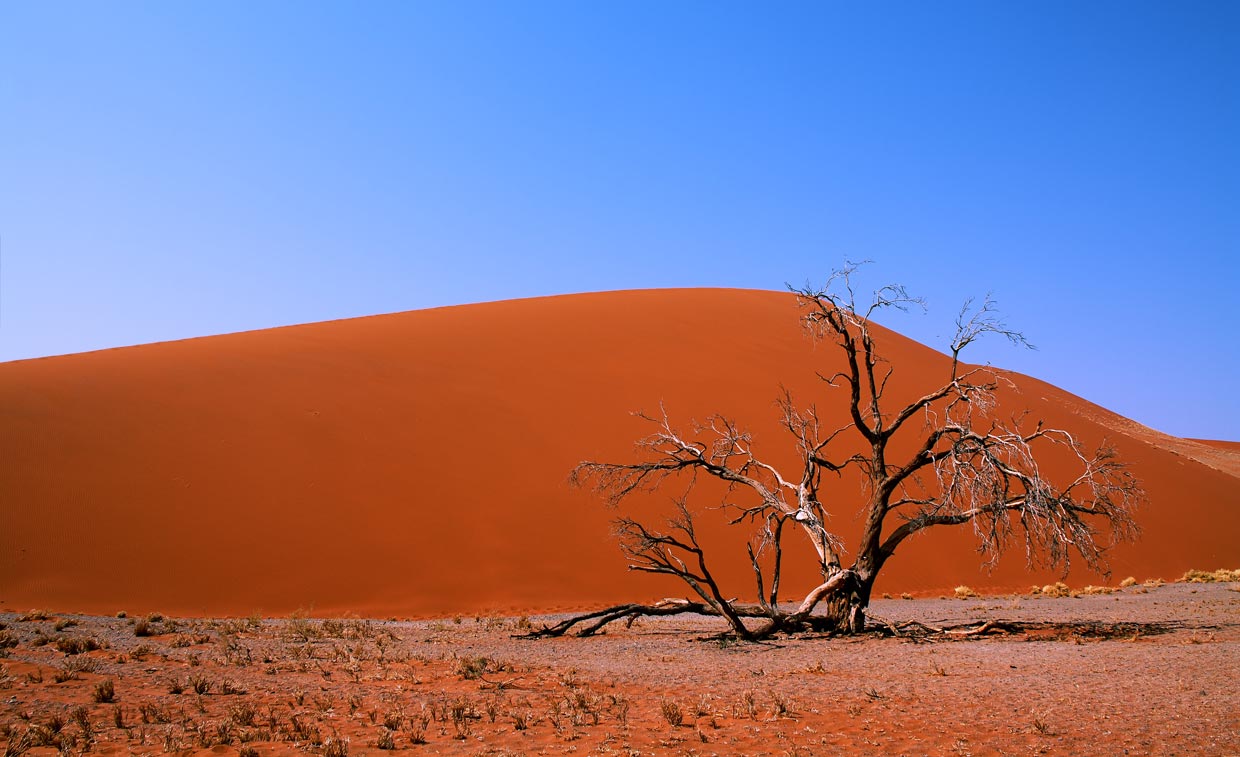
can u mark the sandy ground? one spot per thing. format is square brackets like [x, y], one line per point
[466, 686]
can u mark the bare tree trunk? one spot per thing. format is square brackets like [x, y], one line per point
[843, 609]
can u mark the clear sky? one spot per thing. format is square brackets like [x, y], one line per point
[180, 169]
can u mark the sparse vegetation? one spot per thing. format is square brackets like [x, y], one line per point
[200, 683]
[1091, 589]
[1222, 575]
[72, 667]
[71, 645]
[335, 746]
[454, 697]
[672, 712]
[1057, 589]
[472, 668]
[105, 692]
[386, 739]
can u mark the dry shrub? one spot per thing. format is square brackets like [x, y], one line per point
[243, 714]
[335, 746]
[105, 692]
[472, 668]
[965, 592]
[1222, 575]
[521, 720]
[463, 715]
[394, 720]
[81, 716]
[200, 683]
[672, 713]
[152, 714]
[302, 629]
[781, 706]
[1129, 581]
[417, 728]
[77, 644]
[228, 686]
[386, 739]
[1097, 590]
[72, 667]
[1057, 589]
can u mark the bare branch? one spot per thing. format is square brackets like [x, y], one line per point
[966, 467]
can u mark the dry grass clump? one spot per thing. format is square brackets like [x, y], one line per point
[472, 668]
[965, 592]
[1222, 575]
[72, 667]
[77, 645]
[1097, 590]
[105, 692]
[201, 684]
[1057, 589]
[1129, 581]
[154, 624]
[386, 740]
[335, 746]
[672, 713]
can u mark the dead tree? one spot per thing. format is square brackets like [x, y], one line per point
[967, 467]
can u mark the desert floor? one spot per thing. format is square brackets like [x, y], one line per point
[466, 686]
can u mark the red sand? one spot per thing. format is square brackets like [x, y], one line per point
[416, 463]
[282, 688]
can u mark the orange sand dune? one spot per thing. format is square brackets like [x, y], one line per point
[416, 463]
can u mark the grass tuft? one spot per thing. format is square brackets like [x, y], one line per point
[105, 692]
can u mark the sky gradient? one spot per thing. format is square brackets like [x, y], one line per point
[170, 170]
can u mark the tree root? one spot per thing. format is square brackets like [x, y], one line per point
[629, 612]
[914, 630]
[591, 623]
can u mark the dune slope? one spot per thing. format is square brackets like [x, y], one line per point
[416, 463]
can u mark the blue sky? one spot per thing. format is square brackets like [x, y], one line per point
[170, 170]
